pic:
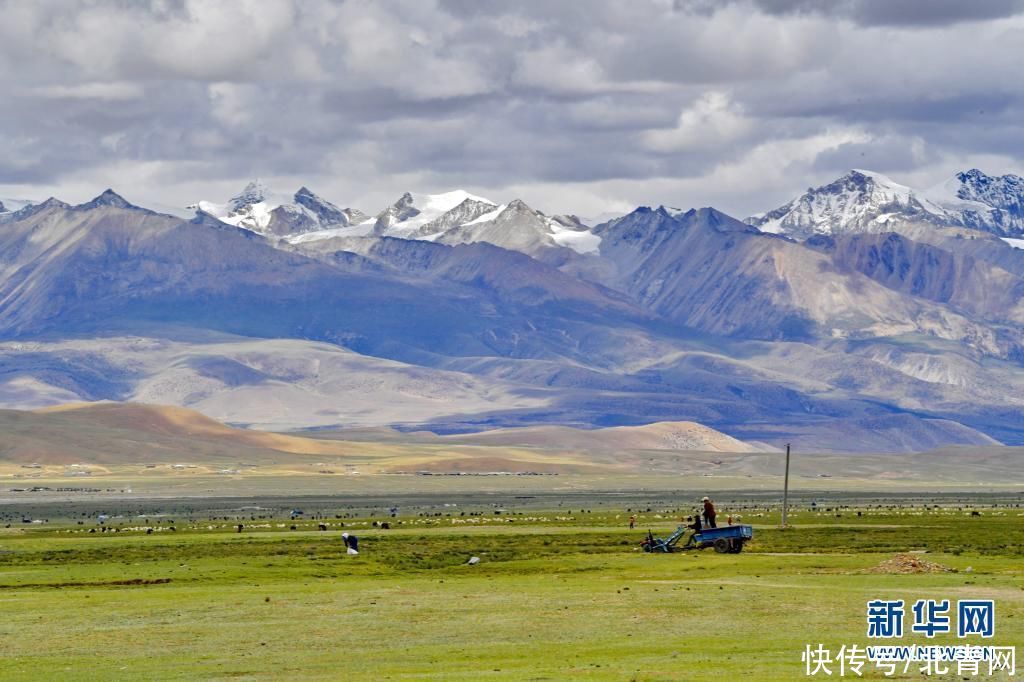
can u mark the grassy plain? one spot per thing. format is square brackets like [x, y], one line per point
[561, 594]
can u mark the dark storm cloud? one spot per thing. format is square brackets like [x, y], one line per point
[889, 153]
[575, 106]
[898, 12]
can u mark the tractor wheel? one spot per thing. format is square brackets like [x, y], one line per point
[721, 545]
[737, 546]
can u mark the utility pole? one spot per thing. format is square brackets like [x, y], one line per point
[785, 490]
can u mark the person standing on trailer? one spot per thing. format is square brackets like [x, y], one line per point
[709, 513]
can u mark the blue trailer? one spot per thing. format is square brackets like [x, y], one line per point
[725, 540]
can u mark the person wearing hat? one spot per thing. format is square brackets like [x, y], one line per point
[351, 543]
[709, 513]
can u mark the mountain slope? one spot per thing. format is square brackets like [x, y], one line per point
[988, 203]
[458, 217]
[412, 213]
[263, 383]
[942, 274]
[9, 206]
[518, 227]
[867, 202]
[708, 271]
[677, 436]
[860, 201]
[509, 275]
[851, 341]
[82, 440]
[113, 268]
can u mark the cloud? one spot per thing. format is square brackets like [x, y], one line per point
[101, 91]
[556, 68]
[903, 13]
[712, 121]
[575, 106]
[560, 70]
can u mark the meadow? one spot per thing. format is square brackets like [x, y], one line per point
[558, 593]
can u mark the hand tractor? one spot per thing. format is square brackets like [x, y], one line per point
[725, 540]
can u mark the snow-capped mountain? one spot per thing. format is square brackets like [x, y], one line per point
[12, 205]
[517, 227]
[860, 341]
[407, 217]
[250, 208]
[868, 202]
[989, 203]
[466, 212]
[860, 201]
[326, 212]
[458, 217]
[259, 210]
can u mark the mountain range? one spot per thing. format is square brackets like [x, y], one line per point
[861, 316]
[863, 201]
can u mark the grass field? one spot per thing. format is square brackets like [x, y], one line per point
[557, 595]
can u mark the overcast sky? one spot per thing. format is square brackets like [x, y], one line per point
[585, 106]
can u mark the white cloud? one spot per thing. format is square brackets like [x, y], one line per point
[588, 106]
[561, 70]
[232, 104]
[100, 91]
[712, 121]
[385, 48]
[773, 166]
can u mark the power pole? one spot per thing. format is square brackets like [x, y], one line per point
[785, 490]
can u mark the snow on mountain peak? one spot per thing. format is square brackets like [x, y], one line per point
[488, 216]
[1000, 191]
[14, 205]
[248, 209]
[460, 217]
[860, 201]
[254, 193]
[413, 213]
[308, 194]
[866, 201]
[435, 205]
[446, 201]
[324, 212]
[672, 211]
[880, 178]
[519, 227]
[259, 210]
[983, 202]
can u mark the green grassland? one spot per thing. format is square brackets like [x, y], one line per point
[557, 595]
